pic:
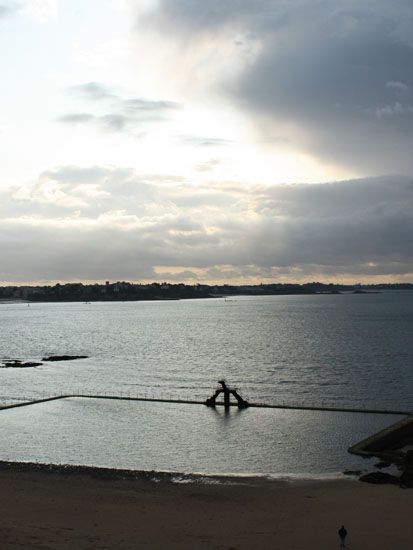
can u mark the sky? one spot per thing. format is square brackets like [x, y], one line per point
[219, 141]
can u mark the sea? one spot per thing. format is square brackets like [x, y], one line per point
[344, 351]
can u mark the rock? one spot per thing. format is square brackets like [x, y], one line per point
[406, 480]
[407, 476]
[17, 364]
[396, 457]
[352, 472]
[380, 478]
[382, 464]
[64, 357]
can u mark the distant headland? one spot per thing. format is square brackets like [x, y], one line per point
[126, 291]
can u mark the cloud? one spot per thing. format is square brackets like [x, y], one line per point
[96, 222]
[400, 87]
[94, 91]
[204, 17]
[40, 10]
[77, 118]
[334, 79]
[114, 113]
[8, 8]
[202, 141]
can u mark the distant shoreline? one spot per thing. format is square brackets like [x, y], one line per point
[125, 291]
[118, 299]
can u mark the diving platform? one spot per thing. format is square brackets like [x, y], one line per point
[227, 393]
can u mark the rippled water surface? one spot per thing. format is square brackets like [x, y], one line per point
[184, 438]
[342, 350]
[351, 349]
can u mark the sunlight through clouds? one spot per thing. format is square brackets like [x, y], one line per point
[236, 140]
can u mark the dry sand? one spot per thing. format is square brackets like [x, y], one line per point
[49, 510]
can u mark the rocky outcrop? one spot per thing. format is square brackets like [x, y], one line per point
[392, 446]
[352, 472]
[64, 357]
[382, 464]
[380, 478]
[17, 364]
[407, 476]
[404, 464]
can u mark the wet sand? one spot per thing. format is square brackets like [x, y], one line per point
[44, 510]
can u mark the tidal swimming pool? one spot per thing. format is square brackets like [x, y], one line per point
[186, 438]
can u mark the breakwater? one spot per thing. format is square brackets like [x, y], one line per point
[199, 402]
[393, 437]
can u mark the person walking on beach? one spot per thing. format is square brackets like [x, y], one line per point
[342, 533]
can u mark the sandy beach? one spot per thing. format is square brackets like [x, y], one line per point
[56, 510]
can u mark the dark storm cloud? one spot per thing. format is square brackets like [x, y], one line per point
[114, 113]
[335, 78]
[214, 14]
[99, 222]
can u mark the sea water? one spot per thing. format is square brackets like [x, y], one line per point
[185, 438]
[352, 350]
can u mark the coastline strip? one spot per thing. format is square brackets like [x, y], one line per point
[156, 476]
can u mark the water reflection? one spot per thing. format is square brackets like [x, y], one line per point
[184, 438]
[228, 414]
[338, 349]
